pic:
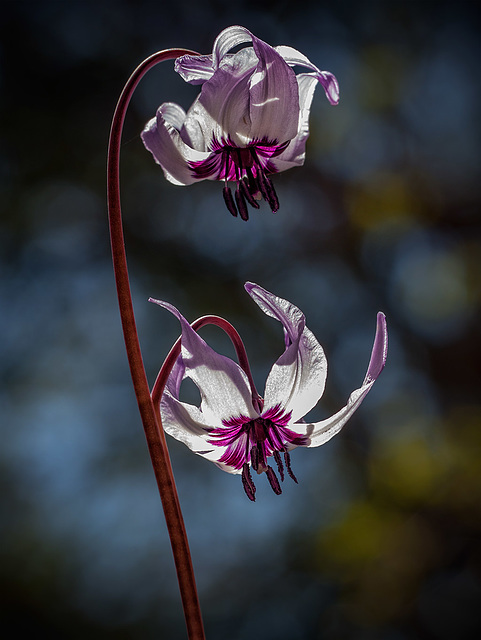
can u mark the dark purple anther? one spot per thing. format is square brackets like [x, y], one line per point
[287, 460]
[241, 204]
[229, 200]
[244, 187]
[280, 466]
[273, 481]
[248, 483]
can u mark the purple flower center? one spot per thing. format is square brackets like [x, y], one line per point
[248, 166]
[254, 441]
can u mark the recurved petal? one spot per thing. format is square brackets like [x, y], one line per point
[227, 40]
[297, 379]
[162, 138]
[194, 69]
[223, 385]
[326, 79]
[321, 432]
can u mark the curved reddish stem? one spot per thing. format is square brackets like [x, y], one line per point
[173, 354]
[153, 430]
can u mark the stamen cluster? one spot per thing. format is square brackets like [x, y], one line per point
[253, 441]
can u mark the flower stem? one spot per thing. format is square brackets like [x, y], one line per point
[173, 354]
[152, 426]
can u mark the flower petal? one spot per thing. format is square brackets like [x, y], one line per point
[321, 432]
[186, 423]
[274, 96]
[326, 79]
[223, 385]
[297, 379]
[222, 108]
[295, 153]
[198, 69]
[162, 138]
[251, 95]
[194, 69]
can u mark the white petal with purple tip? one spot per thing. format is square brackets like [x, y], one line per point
[320, 432]
[223, 385]
[297, 379]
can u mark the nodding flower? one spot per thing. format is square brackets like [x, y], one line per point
[250, 120]
[234, 427]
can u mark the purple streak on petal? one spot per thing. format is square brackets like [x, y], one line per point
[379, 350]
[276, 414]
[247, 440]
[226, 161]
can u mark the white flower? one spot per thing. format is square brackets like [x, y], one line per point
[236, 429]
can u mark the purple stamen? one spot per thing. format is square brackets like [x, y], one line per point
[248, 483]
[248, 166]
[287, 460]
[244, 187]
[280, 466]
[229, 200]
[241, 204]
[255, 457]
[254, 441]
[273, 481]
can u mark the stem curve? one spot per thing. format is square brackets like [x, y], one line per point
[152, 426]
[173, 354]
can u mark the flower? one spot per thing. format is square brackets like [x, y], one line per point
[250, 119]
[234, 427]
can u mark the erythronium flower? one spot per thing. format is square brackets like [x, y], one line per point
[250, 120]
[234, 427]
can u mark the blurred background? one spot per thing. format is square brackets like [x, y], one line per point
[381, 538]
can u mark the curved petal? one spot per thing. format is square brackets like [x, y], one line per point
[295, 152]
[297, 379]
[198, 69]
[227, 40]
[274, 96]
[194, 69]
[223, 385]
[252, 94]
[176, 375]
[326, 79]
[321, 432]
[162, 138]
[186, 423]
